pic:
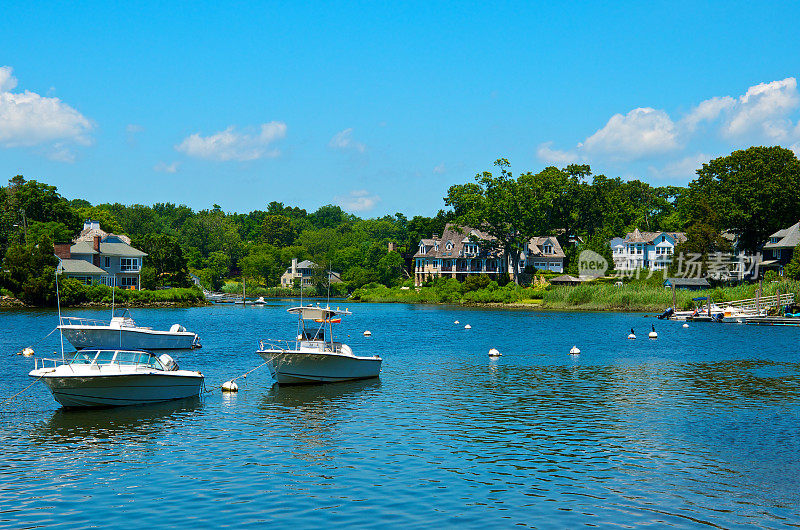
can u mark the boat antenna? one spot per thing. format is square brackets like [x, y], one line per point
[113, 285]
[58, 303]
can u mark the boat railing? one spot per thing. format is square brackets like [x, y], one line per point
[80, 321]
[41, 363]
[294, 345]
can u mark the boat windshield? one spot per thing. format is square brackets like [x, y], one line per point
[118, 357]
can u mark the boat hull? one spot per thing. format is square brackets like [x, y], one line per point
[123, 389]
[128, 339]
[295, 368]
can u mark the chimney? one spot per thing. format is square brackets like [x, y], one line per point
[62, 250]
[435, 236]
[91, 225]
[294, 265]
[96, 241]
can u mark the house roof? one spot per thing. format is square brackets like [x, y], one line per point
[459, 237]
[87, 234]
[687, 282]
[788, 237]
[649, 237]
[110, 249]
[306, 264]
[79, 266]
[536, 245]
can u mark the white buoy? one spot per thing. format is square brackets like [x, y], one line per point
[632, 335]
[230, 386]
[575, 351]
[27, 352]
[494, 352]
[368, 333]
[653, 334]
[467, 327]
[686, 325]
[456, 322]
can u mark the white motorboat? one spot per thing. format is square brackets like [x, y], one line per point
[122, 332]
[108, 377]
[312, 358]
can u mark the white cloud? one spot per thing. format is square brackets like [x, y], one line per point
[765, 108]
[233, 145]
[28, 119]
[441, 169]
[765, 113]
[344, 140]
[640, 133]
[7, 79]
[163, 167]
[708, 110]
[133, 128]
[359, 201]
[555, 156]
[683, 168]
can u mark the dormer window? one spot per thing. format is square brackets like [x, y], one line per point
[663, 238]
[449, 245]
[547, 248]
[436, 245]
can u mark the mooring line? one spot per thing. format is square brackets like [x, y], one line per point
[21, 391]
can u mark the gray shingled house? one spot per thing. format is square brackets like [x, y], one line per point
[778, 251]
[97, 257]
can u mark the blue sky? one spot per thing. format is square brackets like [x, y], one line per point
[381, 108]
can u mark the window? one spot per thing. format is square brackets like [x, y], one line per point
[128, 281]
[449, 245]
[547, 249]
[777, 252]
[663, 238]
[85, 280]
[106, 262]
[129, 264]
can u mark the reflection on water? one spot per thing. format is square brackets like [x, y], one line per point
[699, 427]
[110, 424]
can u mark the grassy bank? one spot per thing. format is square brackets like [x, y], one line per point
[75, 294]
[595, 296]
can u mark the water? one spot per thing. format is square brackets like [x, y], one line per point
[698, 427]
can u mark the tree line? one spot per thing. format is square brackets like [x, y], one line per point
[751, 193]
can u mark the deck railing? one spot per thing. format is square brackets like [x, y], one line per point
[79, 321]
[763, 302]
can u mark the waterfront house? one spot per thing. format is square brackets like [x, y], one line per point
[645, 250]
[96, 257]
[778, 250]
[459, 252]
[304, 271]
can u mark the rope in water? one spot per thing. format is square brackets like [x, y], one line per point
[21, 391]
[36, 343]
[244, 375]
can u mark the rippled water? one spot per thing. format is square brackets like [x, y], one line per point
[701, 426]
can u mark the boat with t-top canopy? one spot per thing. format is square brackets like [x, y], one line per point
[314, 357]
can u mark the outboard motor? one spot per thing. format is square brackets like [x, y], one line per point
[169, 363]
[666, 314]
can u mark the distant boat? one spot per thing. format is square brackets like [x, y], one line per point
[259, 301]
[312, 358]
[105, 378]
[122, 332]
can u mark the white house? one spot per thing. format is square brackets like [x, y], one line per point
[645, 250]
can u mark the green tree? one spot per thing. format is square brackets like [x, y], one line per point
[500, 207]
[29, 272]
[165, 256]
[754, 193]
[278, 230]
